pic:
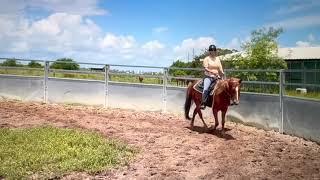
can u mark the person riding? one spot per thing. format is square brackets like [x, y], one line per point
[213, 71]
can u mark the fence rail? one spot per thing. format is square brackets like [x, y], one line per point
[164, 76]
[75, 71]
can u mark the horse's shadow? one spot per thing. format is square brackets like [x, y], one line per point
[216, 132]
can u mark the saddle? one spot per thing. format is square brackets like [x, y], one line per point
[199, 87]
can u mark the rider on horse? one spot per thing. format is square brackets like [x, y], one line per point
[213, 72]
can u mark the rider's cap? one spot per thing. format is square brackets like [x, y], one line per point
[212, 48]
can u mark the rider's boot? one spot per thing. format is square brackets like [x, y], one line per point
[204, 99]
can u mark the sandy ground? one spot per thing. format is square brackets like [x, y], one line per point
[169, 149]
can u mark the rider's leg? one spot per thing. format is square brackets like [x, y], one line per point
[205, 93]
[214, 82]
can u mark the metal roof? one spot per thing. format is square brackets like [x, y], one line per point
[291, 53]
[296, 53]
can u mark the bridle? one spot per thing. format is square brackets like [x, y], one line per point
[227, 91]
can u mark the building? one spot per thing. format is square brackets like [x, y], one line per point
[302, 58]
[305, 59]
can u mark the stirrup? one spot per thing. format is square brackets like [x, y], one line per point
[202, 106]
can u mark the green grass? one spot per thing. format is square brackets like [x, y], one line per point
[312, 95]
[26, 72]
[77, 76]
[46, 152]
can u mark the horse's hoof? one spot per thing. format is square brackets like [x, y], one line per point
[223, 133]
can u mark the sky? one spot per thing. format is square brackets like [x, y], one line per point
[147, 32]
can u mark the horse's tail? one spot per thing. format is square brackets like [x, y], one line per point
[188, 102]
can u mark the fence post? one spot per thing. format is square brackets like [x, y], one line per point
[164, 93]
[45, 83]
[106, 85]
[281, 95]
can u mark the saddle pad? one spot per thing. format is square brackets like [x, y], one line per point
[199, 87]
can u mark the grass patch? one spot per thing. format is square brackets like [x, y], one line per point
[25, 72]
[312, 95]
[48, 152]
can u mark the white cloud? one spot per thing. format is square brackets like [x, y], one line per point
[60, 32]
[79, 7]
[68, 32]
[153, 49]
[188, 45]
[19, 47]
[160, 29]
[153, 45]
[11, 7]
[298, 6]
[310, 42]
[117, 42]
[311, 37]
[57, 33]
[297, 22]
[302, 44]
[235, 43]
[68, 35]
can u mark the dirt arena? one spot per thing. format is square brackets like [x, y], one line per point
[170, 150]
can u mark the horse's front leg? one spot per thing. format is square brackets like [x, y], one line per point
[216, 121]
[223, 114]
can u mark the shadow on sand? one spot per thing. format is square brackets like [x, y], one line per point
[216, 132]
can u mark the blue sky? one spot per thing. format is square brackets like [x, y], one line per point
[144, 31]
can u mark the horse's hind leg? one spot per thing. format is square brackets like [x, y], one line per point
[198, 110]
[193, 116]
[200, 115]
[195, 111]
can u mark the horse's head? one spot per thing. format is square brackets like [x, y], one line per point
[234, 85]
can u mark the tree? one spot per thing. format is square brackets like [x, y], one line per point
[34, 64]
[11, 63]
[225, 51]
[65, 63]
[261, 52]
[179, 72]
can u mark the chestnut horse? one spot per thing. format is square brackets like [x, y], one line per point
[225, 91]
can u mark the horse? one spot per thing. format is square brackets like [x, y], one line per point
[225, 91]
[182, 81]
[140, 78]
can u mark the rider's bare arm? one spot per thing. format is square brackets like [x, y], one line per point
[221, 72]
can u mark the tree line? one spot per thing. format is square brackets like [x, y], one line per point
[62, 63]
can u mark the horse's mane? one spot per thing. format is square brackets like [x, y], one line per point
[221, 86]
